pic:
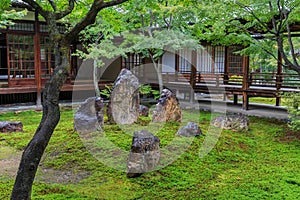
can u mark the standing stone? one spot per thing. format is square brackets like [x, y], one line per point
[123, 106]
[167, 109]
[144, 154]
[8, 127]
[237, 122]
[143, 111]
[89, 116]
[190, 130]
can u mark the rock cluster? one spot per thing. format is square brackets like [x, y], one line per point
[237, 122]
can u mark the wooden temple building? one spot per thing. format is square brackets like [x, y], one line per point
[27, 61]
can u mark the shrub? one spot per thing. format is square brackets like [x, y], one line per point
[292, 99]
[143, 89]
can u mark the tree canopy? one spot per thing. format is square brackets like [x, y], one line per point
[263, 27]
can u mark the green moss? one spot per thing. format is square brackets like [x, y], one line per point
[258, 164]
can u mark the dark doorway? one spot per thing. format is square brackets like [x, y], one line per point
[3, 57]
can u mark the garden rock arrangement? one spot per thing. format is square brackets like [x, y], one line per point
[144, 154]
[89, 116]
[237, 122]
[190, 130]
[8, 127]
[167, 109]
[123, 106]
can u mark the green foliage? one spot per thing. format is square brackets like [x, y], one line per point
[292, 99]
[7, 14]
[106, 91]
[147, 90]
[149, 46]
[259, 164]
[151, 28]
[143, 89]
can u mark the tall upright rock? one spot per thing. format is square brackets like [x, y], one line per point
[123, 106]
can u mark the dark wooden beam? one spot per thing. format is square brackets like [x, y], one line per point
[245, 85]
[278, 77]
[176, 65]
[37, 59]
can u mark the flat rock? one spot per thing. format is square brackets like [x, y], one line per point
[190, 130]
[9, 126]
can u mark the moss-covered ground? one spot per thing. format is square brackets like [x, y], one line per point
[262, 163]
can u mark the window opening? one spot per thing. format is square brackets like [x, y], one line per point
[21, 56]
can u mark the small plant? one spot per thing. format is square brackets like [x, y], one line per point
[147, 90]
[106, 92]
[143, 89]
[292, 99]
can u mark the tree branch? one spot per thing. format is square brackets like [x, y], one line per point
[112, 3]
[281, 17]
[37, 7]
[168, 23]
[247, 9]
[53, 5]
[90, 17]
[65, 12]
[285, 13]
[273, 20]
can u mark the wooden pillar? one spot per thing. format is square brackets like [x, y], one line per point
[193, 75]
[8, 60]
[37, 60]
[145, 80]
[278, 78]
[176, 65]
[245, 85]
[226, 66]
[213, 59]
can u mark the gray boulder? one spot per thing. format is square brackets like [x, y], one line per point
[167, 109]
[89, 116]
[123, 106]
[8, 127]
[237, 122]
[144, 154]
[143, 111]
[190, 130]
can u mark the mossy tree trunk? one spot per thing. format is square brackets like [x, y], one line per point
[51, 114]
[32, 154]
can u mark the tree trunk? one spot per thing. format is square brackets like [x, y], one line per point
[33, 153]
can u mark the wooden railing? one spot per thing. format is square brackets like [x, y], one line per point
[204, 78]
[286, 80]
